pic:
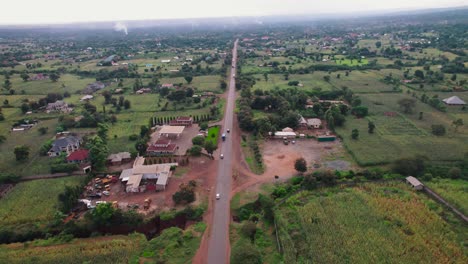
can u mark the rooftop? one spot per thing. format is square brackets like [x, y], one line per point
[171, 130]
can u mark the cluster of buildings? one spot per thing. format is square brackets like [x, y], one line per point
[141, 177]
[69, 144]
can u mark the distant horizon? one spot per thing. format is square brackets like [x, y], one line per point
[207, 9]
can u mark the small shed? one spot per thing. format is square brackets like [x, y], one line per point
[415, 183]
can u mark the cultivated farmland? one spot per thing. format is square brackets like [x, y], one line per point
[20, 207]
[370, 223]
[112, 249]
[454, 191]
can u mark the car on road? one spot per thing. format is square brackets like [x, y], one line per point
[218, 196]
[227, 130]
[222, 156]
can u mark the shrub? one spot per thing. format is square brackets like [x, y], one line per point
[438, 130]
[455, 173]
[133, 137]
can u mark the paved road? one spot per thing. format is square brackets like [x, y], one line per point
[219, 239]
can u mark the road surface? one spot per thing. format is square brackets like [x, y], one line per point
[219, 240]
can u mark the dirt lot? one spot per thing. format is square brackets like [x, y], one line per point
[184, 141]
[279, 158]
[200, 169]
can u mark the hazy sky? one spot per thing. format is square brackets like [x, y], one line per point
[59, 11]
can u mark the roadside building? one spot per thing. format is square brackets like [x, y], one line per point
[454, 100]
[415, 183]
[151, 175]
[182, 121]
[314, 123]
[171, 131]
[67, 144]
[162, 147]
[119, 158]
[79, 156]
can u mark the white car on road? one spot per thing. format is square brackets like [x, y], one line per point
[218, 196]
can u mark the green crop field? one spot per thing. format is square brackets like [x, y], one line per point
[33, 201]
[35, 164]
[200, 83]
[309, 81]
[174, 246]
[354, 62]
[109, 249]
[361, 81]
[454, 191]
[370, 223]
[402, 135]
[66, 83]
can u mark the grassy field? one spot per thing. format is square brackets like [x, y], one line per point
[213, 134]
[370, 223]
[361, 81]
[35, 164]
[403, 134]
[309, 81]
[174, 246]
[354, 62]
[33, 201]
[109, 249]
[454, 191]
[200, 83]
[66, 83]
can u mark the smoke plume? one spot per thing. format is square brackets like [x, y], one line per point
[119, 26]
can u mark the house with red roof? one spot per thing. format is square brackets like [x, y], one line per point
[182, 121]
[79, 156]
[162, 146]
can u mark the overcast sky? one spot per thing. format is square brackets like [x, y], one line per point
[60, 11]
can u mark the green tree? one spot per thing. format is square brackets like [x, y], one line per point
[265, 75]
[102, 131]
[419, 74]
[21, 152]
[245, 253]
[454, 77]
[407, 104]
[370, 127]
[102, 214]
[195, 150]
[355, 134]
[198, 140]
[188, 79]
[54, 77]
[7, 84]
[43, 130]
[141, 146]
[24, 108]
[210, 147]
[300, 165]
[457, 123]
[249, 229]
[144, 130]
[24, 76]
[127, 104]
[2, 139]
[378, 44]
[98, 152]
[438, 130]
[326, 78]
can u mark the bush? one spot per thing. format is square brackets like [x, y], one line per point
[133, 137]
[63, 167]
[410, 166]
[249, 229]
[438, 130]
[245, 253]
[198, 140]
[455, 173]
[9, 178]
[300, 165]
[195, 150]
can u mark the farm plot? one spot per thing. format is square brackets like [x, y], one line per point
[33, 202]
[66, 83]
[109, 249]
[454, 191]
[309, 81]
[209, 83]
[353, 62]
[396, 125]
[369, 223]
[361, 82]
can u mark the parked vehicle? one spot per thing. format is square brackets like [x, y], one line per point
[107, 193]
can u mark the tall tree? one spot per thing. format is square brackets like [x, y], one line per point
[300, 165]
[210, 147]
[54, 77]
[21, 152]
[407, 104]
[370, 127]
[98, 152]
[188, 79]
[24, 76]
